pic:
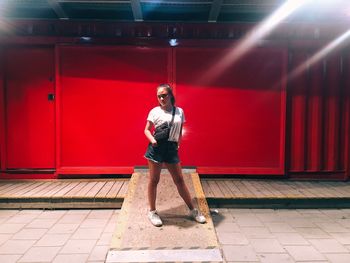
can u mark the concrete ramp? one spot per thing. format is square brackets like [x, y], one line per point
[180, 239]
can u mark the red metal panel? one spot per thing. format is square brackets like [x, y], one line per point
[332, 114]
[235, 124]
[297, 91]
[31, 175]
[29, 113]
[319, 118]
[105, 94]
[96, 170]
[2, 112]
[314, 117]
[346, 117]
[57, 109]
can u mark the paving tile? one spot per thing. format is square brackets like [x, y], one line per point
[99, 253]
[286, 213]
[256, 232]
[100, 214]
[300, 223]
[63, 229]
[262, 211]
[91, 233]
[57, 214]
[319, 219]
[328, 246]
[114, 217]
[8, 213]
[223, 218]
[279, 228]
[78, 247]
[334, 213]
[71, 219]
[94, 223]
[21, 218]
[237, 211]
[269, 217]
[4, 238]
[53, 240]
[232, 239]
[40, 254]
[30, 233]
[248, 221]
[74, 258]
[304, 253]
[78, 211]
[3, 219]
[344, 222]
[266, 246]
[291, 239]
[105, 239]
[110, 227]
[332, 227]
[9, 258]
[239, 253]
[338, 258]
[313, 212]
[41, 223]
[275, 258]
[10, 228]
[242, 216]
[345, 214]
[342, 238]
[310, 232]
[16, 246]
[227, 227]
[30, 211]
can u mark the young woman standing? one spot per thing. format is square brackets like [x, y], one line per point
[166, 151]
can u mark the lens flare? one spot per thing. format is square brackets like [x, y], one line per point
[253, 38]
[319, 55]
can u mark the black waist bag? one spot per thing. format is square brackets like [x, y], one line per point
[162, 132]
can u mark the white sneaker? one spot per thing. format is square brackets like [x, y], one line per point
[154, 218]
[197, 215]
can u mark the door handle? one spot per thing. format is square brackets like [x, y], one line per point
[51, 96]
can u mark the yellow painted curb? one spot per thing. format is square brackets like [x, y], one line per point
[123, 216]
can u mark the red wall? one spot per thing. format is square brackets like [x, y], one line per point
[319, 116]
[104, 97]
[243, 120]
[236, 119]
[29, 115]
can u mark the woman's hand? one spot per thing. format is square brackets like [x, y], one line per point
[154, 142]
[149, 135]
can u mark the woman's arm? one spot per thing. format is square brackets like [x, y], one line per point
[180, 137]
[148, 133]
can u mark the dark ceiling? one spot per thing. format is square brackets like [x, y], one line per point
[169, 10]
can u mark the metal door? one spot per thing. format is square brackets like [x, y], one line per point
[29, 108]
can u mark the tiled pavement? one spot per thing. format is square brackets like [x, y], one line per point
[245, 235]
[294, 235]
[56, 236]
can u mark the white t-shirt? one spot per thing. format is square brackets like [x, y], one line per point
[158, 116]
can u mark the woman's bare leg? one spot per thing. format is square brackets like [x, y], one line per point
[154, 174]
[176, 173]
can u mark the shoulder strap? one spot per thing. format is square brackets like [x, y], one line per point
[172, 118]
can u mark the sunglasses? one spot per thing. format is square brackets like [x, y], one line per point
[162, 96]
